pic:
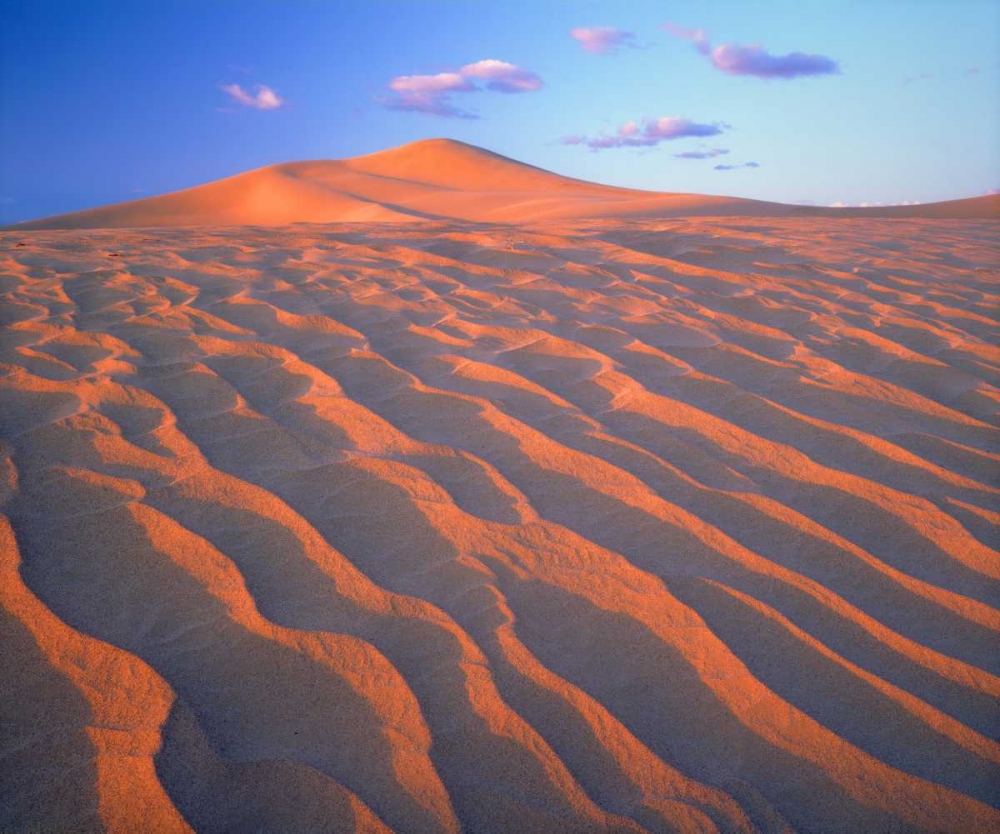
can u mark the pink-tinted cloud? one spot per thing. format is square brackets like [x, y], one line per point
[419, 85]
[754, 60]
[707, 153]
[431, 94]
[735, 167]
[645, 134]
[263, 99]
[674, 127]
[501, 77]
[604, 40]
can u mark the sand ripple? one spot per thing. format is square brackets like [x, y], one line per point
[637, 525]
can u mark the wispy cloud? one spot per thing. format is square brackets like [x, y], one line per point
[736, 167]
[913, 79]
[646, 133]
[604, 40]
[697, 36]
[707, 153]
[263, 99]
[754, 60]
[431, 94]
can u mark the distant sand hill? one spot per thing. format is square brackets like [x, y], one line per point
[439, 179]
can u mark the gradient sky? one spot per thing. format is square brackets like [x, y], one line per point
[874, 102]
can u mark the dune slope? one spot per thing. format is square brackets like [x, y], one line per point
[438, 179]
[676, 525]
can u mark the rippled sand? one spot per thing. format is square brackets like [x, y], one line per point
[672, 525]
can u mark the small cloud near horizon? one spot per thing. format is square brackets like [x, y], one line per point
[431, 94]
[754, 60]
[735, 167]
[603, 40]
[645, 134]
[875, 204]
[263, 99]
[707, 153]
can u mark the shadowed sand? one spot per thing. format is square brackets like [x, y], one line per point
[441, 179]
[616, 525]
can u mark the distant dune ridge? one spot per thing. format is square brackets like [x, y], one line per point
[607, 523]
[439, 179]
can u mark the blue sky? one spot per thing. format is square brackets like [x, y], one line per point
[102, 102]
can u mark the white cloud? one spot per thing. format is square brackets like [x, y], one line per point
[263, 99]
[604, 40]
[431, 94]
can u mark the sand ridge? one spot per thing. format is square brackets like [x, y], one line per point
[629, 525]
[438, 180]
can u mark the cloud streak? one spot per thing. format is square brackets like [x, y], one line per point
[708, 153]
[736, 167]
[431, 94]
[646, 133]
[603, 40]
[754, 60]
[263, 99]
[697, 36]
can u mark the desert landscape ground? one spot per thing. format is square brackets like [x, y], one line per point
[533, 506]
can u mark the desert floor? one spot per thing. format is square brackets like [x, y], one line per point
[626, 525]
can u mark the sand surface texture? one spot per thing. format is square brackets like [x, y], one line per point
[621, 526]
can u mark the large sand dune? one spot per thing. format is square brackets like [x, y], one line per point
[440, 179]
[618, 526]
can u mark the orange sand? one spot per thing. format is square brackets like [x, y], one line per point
[616, 525]
[438, 180]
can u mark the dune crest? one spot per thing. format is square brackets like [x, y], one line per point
[439, 180]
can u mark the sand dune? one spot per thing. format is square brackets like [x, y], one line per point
[617, 525]
[435, 180]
